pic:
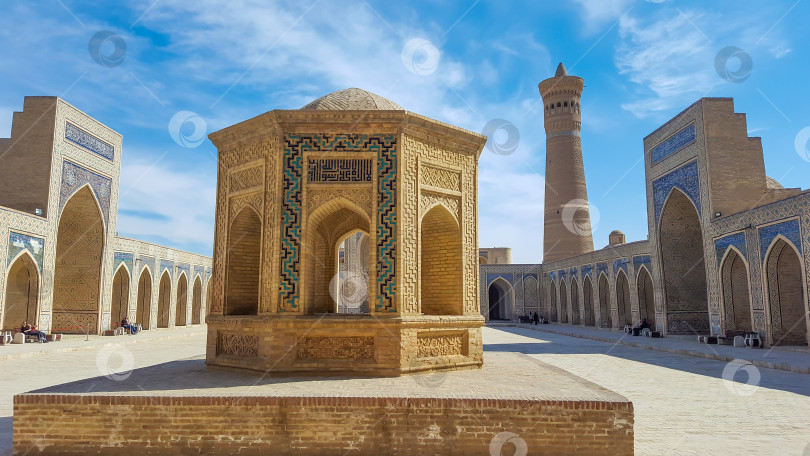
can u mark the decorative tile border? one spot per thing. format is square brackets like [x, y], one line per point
[164, 265]
[673, 144]
[621, 263]
[17, 242]
[80, 137]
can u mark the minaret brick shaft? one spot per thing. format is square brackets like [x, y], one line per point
[567, 222]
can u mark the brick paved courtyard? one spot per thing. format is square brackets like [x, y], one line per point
[683, 405]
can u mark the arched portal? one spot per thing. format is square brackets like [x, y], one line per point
[22, 293]
[244, 256]
[441, 266]
[623, 305]
[119, 307]
[605, 318]
[500, 300]
[182, 301]
[587, 302]
[574, 301]
[196, 301]
[77, 273]
[164, 300]
[563, 302]
[553, 302]
[144, 305]
[736, 299]
[351, 285]
[646, 298]
[786, 296]
[681, 241]
[328, 227]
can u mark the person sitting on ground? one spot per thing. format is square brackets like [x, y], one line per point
[643, 324]
[535, 319]
[31, 330]
[126, 324]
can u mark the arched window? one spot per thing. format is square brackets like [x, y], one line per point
[441, 265]
[244, 253]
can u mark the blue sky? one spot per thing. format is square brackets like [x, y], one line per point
[224, 62]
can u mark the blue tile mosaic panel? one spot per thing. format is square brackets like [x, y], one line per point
[641, 259]
[385, 147]
[600, 267]
[74, 177]
[789, 229]
[722, 244]
[508, 276]
[675, 143]
[80, 137]
[17, 242]
[334, 170]
[684, 178]
[148, 261]
[587, 270]
[184, 267]
[199, 270]
[167, 264]
[572, 272]
[621, 263]
[126, 258]
[562, 274]
[552, 275]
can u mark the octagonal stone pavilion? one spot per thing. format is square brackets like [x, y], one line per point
[292, 187]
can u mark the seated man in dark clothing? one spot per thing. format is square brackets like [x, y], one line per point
[126, 324]
[643, 324]
[30, 330]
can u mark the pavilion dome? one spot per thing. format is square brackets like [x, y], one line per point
[772, 183]
[352, 100]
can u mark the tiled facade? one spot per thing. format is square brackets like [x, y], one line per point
[85, 154]
[705, 154]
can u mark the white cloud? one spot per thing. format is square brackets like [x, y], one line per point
[159, 201]
[669, 58]
[597, 12]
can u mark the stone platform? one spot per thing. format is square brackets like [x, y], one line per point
[182, 407]
[352, 345]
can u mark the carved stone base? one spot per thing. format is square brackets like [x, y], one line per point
[345, 344]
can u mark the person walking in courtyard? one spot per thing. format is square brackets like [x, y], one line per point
[30, 330]
[126, 324]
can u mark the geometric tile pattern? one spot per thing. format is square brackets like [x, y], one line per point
[735, 239]
[75, 176]
[789, 229]
[675, 143]
[685, 178]
[167, 265]
[126, 258]
[291, 213]
[621, 263]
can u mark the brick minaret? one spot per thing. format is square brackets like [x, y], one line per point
[567, 223]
